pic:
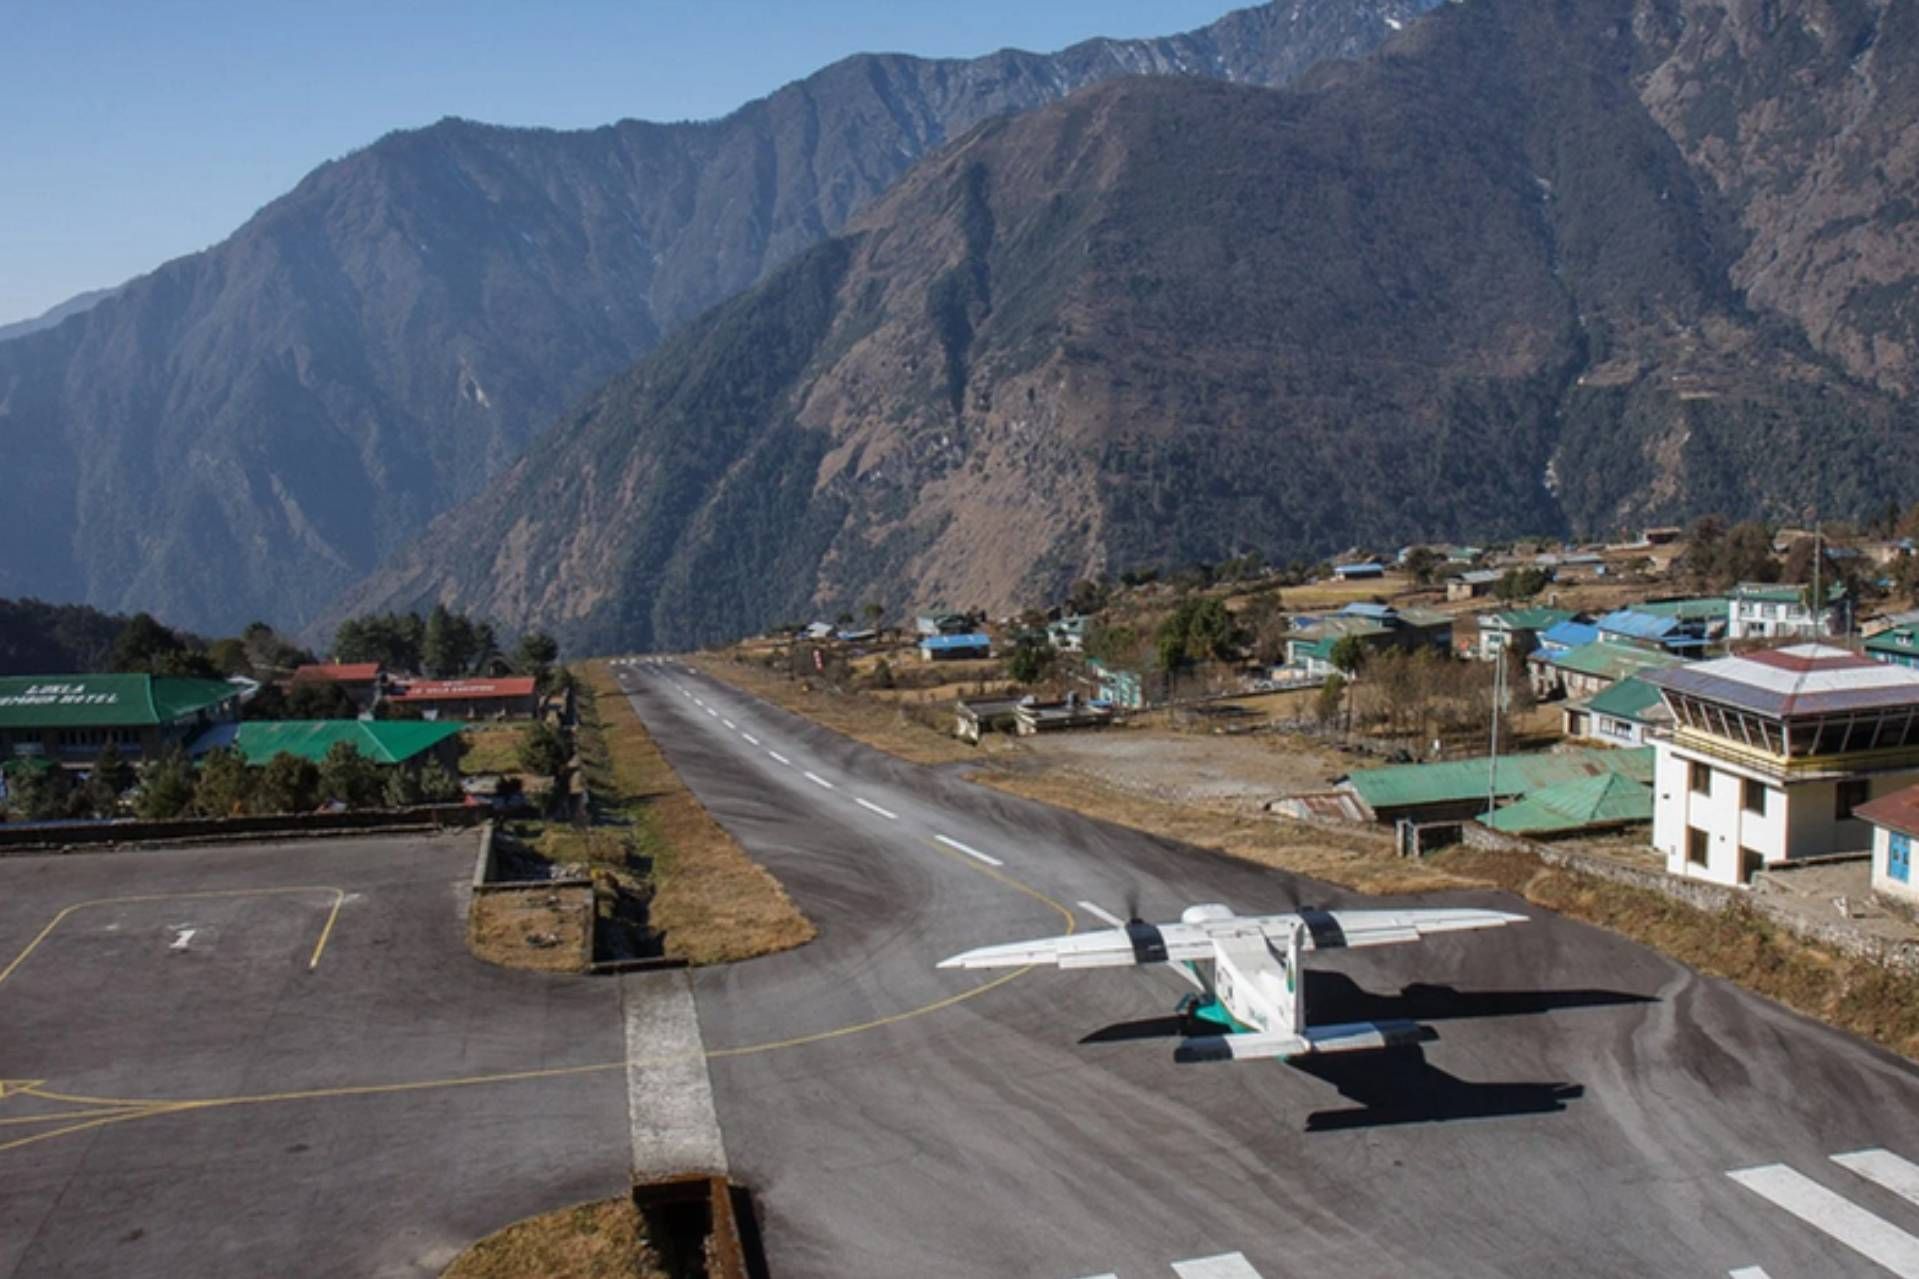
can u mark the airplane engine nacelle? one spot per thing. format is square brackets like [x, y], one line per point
[1205, 913]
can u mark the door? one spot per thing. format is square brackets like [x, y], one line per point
[1899, 858]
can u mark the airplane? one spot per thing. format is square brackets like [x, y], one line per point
[1256, 997]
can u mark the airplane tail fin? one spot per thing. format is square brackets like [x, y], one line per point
[1357, 1036]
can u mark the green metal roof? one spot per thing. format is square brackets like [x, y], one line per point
[1699, 610]
[388, 741]
[1607, 800]
[1785, 593]
[1606, 660]
[105, 701]
[1900, 639]
[1631, 698]
[1408, 785]
[1532, 619]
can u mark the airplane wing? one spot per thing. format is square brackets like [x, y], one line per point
[1342, 929]
[1107, 948]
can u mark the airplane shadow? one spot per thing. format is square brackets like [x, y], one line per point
[1333, 997]
[1402, 1087]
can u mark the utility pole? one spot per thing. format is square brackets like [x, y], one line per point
[1492, 759]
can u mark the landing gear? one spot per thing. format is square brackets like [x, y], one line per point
[1187, 1012]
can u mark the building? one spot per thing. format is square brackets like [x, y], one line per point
[394, 742]
[1471, 585]
[1683, 637]
[362, 682]
[512, 697]
[942, 624]
[1122, 688]
[1606, 801]
[976, 717]
[1898, 646]
[1067, 634]
[1032, 717]
[1760, 611]
[1365, 571]
[1772, 755]
[1591, 668]
[1378, 627]
[1624, 715]
[1516, 630]
[1564, 636]
[1458, 789]
[1894, 820]
[69, 718]
[955, 648]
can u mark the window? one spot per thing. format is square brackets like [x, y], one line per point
[1848, 796]
[1750, 864]
[1899, 858]
[1696, 846]
[1752, 797]
[1699, 777]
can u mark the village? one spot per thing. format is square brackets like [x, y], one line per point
[1674, 707]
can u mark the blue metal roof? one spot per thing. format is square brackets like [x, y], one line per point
[1377, 612]
[1636, 625]
[974, 640]
[1368, 569]
[1569, 635]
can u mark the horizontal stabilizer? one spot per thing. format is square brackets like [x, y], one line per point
[1357, 1036]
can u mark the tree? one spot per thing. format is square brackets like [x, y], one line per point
[534, 653]
[1521, 583]
[1031, 659]
[45, 795]
[394, 640]
[308, 699]
[230, 657]
[875, 613]
[542, 751]
[108, 779]
[1199, 629]
[225, 787]
[448, 645]
[1423, 562]
[1349, 655]
[288, 784]
[348, 777]
[428, 784]
[1332, 695]
[166, 788]
[141, 643]
[1086, 597]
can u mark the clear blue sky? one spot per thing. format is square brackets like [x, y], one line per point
[141, 130]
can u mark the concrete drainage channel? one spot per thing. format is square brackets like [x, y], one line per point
[700, 1223]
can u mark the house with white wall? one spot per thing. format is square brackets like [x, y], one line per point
[1771, 756]
[1759, 610]
[1895, 829]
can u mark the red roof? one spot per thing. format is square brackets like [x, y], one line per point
[1898, 811]
[340, 672]
[465, 690]
[1808, 657]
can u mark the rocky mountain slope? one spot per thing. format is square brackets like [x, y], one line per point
[246, 431]
[1533, 267]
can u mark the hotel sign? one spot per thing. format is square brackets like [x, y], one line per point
[58, 695]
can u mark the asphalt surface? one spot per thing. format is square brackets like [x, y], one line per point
[1580, 1113]
[368, 1114]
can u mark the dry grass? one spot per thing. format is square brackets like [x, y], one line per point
[1739, 945]
[544, 930]
[862, 718]
[493, 749]
[604, 1240]
[1362, 860]
[713, 903]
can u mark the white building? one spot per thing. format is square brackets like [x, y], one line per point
[1895, 828]
[1758, 611]
[1772, 754]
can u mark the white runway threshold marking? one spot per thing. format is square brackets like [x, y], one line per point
[1883, 1168]
[970, 852]
[869, 804]
[781, 758]
[1865, 1233]
[817, 780]
[1231, 1265]
[1748, 1272]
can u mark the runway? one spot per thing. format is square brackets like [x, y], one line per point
[1582, 1112]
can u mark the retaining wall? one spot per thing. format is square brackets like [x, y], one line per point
[16, 837]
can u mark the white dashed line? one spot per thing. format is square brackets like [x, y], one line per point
[730, 724]
[1749, 1272]
[869, 804]
[1866, 1233]
[781, 758]
[970, 852]
[710, 711]
[817, 780]
[1232, 1265]
[750, 739]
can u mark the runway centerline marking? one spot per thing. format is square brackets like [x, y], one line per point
[750, 739]
[1748, 1272]
[781, 758]
[1883, 1168]
[817, 780]
[1866, 1233]
[730, 724]
[313, 961]
[974, 853]
[869, 804]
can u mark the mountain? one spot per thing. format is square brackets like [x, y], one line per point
[53, 315]
[1521, 271]
[246, 431]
